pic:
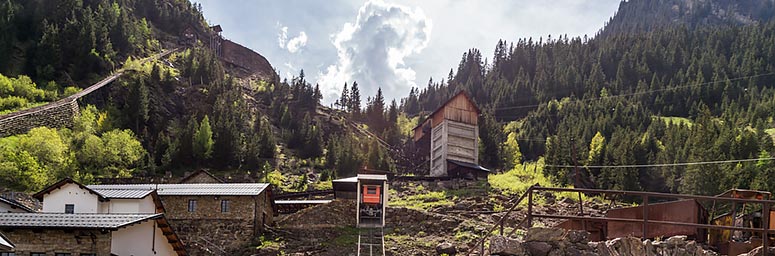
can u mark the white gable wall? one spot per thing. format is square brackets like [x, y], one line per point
[84, 201]
[4, 207]
[144, 205]
[139, 239]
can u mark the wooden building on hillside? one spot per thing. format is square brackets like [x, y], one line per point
[450, 137]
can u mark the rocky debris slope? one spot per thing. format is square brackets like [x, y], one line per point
[554, 241]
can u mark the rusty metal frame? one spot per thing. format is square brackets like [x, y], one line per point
[764, 230]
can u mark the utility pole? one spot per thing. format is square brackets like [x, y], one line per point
[576, 183]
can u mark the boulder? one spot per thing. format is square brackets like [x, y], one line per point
[627, 246]
[446, 248]
[545, 234]
[676, 241]
[501, 245]
[758, 251]
[567, 200]
[536, 248]
[577, 236]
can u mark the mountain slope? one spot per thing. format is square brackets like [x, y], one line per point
[637, 16]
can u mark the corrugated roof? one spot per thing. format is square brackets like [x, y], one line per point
[194, 189]
[79, 220]
[129, 193]
[302, 201]
[469, 165]
[5, 244]
[372, 177]
[350, 179]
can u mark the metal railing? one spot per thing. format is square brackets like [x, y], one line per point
[766, 206]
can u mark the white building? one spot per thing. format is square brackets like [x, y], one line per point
[77, 220]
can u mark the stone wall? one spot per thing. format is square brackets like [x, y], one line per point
[209, 207]
[59, 241]
[555, 241]
[207, 230]
[54, 115]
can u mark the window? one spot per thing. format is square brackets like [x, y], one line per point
[69, 208]
[191, 205]
[88, 254]
[38, 254]
[62, 254]
[224, 205]
[7, 254]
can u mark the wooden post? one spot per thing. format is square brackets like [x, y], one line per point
[576, 183]
[503, 221]
[484, 234]
[530, 207]
[766, 227]
[645, 216]
[734, 220]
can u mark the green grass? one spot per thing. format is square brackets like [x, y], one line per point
[423, 201]
[675, 120]
[516, 181]
[322, 185]
[348, 237]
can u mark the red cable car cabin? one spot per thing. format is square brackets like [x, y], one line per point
[371, 194]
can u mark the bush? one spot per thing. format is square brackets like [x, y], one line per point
[70, 90]
[12, 102]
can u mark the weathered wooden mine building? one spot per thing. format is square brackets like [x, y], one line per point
[449, 136]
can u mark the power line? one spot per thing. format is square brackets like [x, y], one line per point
[643, 92]
[663, 165]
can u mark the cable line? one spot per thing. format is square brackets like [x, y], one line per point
[643, 92]
[663, 165]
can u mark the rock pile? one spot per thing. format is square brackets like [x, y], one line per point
[557, 242]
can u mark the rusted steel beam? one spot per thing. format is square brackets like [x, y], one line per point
[645, 216]
[704, 226]
[529, 194]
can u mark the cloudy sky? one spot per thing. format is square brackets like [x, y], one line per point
[392, 44]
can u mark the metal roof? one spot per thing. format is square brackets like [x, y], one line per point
[468, 165]
[79, 220]
[350, 179]
[5, 243]
[302, 201]
[372, 177]
[193, 189]
[124, 193]
[16, 204]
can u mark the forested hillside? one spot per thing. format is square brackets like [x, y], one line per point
[663, 82]
[188, 111]
[689, 92]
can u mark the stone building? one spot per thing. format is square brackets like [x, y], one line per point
[76, 220]
[211, 217]
[201, 176]
[88, 234]
[449, 137]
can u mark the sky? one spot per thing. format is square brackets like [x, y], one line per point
[391, 44]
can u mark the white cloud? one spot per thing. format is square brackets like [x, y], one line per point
[294, 44]
[373, 48]
[297, 43]
[282, 36]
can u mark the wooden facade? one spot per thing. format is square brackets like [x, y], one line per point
[451, 132]
[460, 108]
